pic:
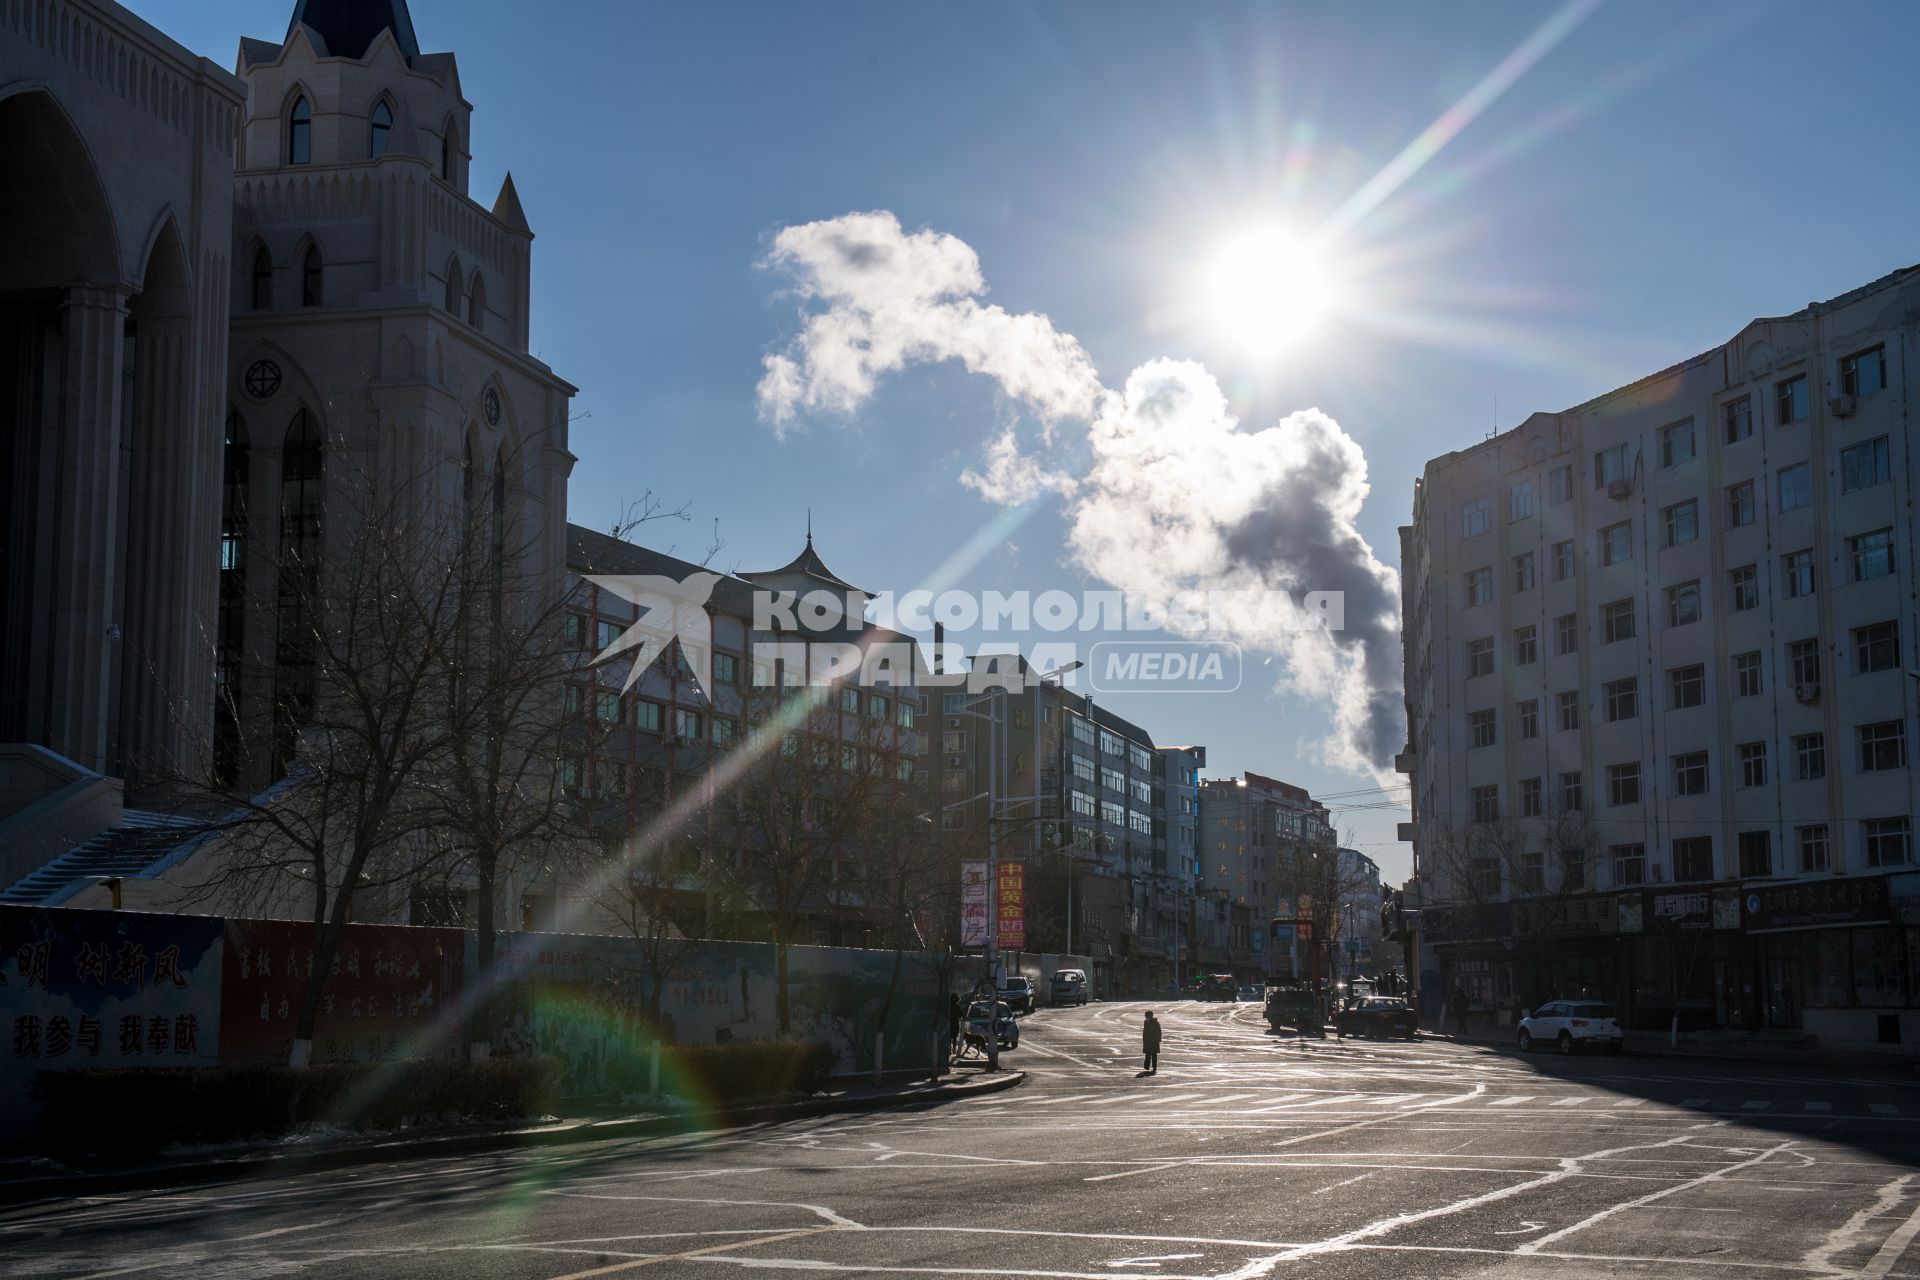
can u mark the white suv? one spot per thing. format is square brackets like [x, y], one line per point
[1571, 1025]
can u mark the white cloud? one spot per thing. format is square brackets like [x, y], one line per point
[1012, 476]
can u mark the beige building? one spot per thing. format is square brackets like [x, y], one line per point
[1658, 652]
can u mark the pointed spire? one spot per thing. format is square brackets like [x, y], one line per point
[809, 528]
[349, 27]
[506, 207]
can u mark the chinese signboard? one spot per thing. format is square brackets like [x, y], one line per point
[1813, 903]
[1683, 909]
[1013, 905]
[392, 992]
[973, 904]
[1564, 917]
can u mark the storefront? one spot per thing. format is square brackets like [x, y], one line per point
[1681, 950]
[1472, 950]
[1839, 959]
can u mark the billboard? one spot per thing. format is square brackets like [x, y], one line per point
[973, 904]
[1012, 893]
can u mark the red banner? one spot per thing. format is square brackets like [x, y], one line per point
[392, 992]
[1012, 890]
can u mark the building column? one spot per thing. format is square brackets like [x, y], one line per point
[82, 601]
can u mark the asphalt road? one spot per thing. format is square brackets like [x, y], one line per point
[1249, 1155]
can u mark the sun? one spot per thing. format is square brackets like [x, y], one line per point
[1268, 290]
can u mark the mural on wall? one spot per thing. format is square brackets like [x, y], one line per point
[95, 989]
[582, 1000]
[393, 992]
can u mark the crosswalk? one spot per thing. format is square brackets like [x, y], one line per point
[1279, 1103]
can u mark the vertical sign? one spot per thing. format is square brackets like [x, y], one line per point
[973, 904]
[1013, 905]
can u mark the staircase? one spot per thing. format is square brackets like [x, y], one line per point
[135, 848]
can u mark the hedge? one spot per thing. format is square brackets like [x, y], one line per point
[122, 1112]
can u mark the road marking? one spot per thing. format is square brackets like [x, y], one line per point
[1574, 1101]
[1395, 1099]
[1889, 1253]
[1231, 1097]
[617, 1267]
[1631, 1102]
[1592, 1219]
[1755, 1104]
[1512, 1102]
[1819, 1106]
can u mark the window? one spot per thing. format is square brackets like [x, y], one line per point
[649, 716]
[1690, 774]
[606, 706]
[447, 146]
[1530, 803]
[1479, 586]
[1485, 874]
[1686, 686]
[1616, 621]
[1683, 522]
[1480, 728]
[1796, 487]
[1889, 841]
[726, 668]
[1796, 573]
[1568, 705]
[1572, 794]
[849, 758]
[903, 714]
[606, 632]
[1676, 443]
[1527, 714]
[300, 132]
[1790, 399]
[311, 274]
[1864, 465]
[1683, 604]
[477, 303]
[1616, 543]
[1872, 554]
[262, 279]
[725, 730]
[1753, 763]
[1812, 841]
[1740, 504]
[1803, 661]
[850, 701]
[1693, 858]
[1623, 783]
[1486, 804]
[1629, 864]
[1737, 417]
[1746, 675]
[1479, 658]
[1883, 746]
[1622, 699]
[1560, 485]
[1520, 501]
[1533, 870]
[1876, 648]
[1563, 564]
[1756, 853]
[1526, 646]
[1476, 517]
[1566, 634]
[1523, 572]
[1573, 875]
[1609, 465]
[687, 725]
[379, 129]
[1809, 756]
[1743, 588]
[1864, 372]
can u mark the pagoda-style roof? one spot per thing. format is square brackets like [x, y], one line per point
[807, 567]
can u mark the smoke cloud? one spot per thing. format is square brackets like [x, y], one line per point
[1176, 497]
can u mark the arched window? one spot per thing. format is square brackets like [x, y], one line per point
[448, 145]
[231, 641]
[302, 471]
[453, 286]
[300, 132]
[311, 273]
[477, 302]
[381, 129]
[262, 279]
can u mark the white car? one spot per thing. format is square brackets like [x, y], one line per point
[1571, 1025]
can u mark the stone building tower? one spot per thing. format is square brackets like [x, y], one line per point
[379, 329]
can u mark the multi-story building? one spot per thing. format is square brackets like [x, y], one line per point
[1659, 709]
[1264, 844]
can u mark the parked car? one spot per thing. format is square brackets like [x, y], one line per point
[1296, 1007]
[1018, 993]
[1250, 992]
[1069, 986]
[1571, 1025]
[1003, 1022]
[1218, 986]
[1376, 1016]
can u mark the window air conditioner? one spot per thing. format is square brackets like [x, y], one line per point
[1620, 488]
[1842, 406]
[1807, 693]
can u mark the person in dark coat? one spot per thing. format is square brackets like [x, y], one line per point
[955, 1011]
[1459, 1010]
[1150, 1043]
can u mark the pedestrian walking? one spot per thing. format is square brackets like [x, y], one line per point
[955, 1010]
[1150, 1043]
[1459, 1010]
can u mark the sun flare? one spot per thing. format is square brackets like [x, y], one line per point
[1268, 289]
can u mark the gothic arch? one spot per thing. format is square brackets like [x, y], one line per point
[285, 123]
[68, 215]
[453, 285]
[477, 302]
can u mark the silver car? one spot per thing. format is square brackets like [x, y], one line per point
[1571, 1025]
[1069, 987]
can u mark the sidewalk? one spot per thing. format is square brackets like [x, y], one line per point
[1733, 1046]
[40, 1177]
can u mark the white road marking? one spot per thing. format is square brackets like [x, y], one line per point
[1717, 1175]
[1882, 1262]
[1630, 1102]
[1512, 1102]
[1576, 1100]
[1819, 1106]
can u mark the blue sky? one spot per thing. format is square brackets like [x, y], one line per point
[1664, 173]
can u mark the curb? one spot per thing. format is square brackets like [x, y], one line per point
[1837, 1059]
[381, 1151]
